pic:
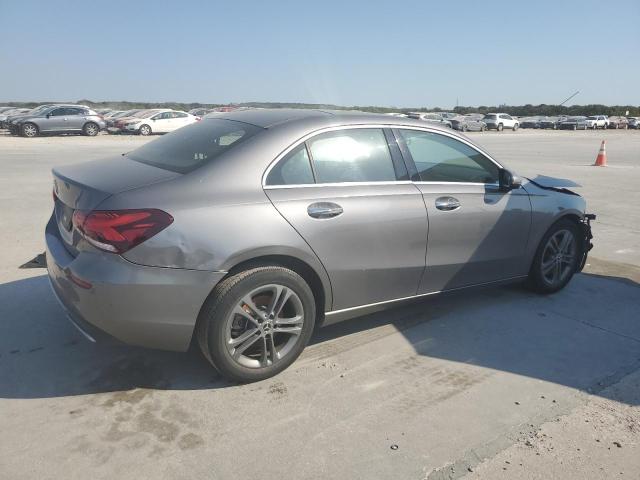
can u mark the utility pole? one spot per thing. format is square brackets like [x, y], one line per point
[577, 92]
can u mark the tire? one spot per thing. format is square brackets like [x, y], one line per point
[500, 127]
[575, 127]
[515, 127]
[482, 128]
[227, 315]
[90, 129]
[562, 262]
[464, 128]
[29, 130]
[144, 130]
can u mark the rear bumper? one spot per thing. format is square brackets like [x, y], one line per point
[108, 297]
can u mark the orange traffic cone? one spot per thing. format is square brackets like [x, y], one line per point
[601, 159]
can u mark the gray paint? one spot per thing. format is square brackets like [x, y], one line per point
[390, 242]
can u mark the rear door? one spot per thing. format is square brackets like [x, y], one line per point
[347, 193]
[75, 118]
[477, 233]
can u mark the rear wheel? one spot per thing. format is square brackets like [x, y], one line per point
[556, 259]
[30, 130]
[145, 130]
[91, 129]
[256, 323]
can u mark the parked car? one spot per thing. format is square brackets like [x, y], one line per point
[62, 119]
[245, 230]
[116, 124]
[531, 122]
[500, 121]
[12, 121]
[618, 123]
[464, 124]
[597, 121]
[434, 118]
[200, 112]
[574, 123]
[164, 121]
[633, 122]
[551, 122]
[4, 116]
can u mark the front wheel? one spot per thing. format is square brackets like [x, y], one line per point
[256, 323]
[30, 130]
[500, 127]
[556, 259]
[515, 127]
[145, 130]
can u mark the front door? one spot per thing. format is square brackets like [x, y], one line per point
[348, 198]
[477, 233]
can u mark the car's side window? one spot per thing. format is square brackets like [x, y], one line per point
[440, 158]
[351, 155]
[179, 115]
[58, 112]
[293, 169]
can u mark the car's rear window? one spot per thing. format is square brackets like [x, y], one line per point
[490, 117]
[191, 147]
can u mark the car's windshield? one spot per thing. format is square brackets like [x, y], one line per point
[191, 147]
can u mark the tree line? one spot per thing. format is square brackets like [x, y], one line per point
[517, 110]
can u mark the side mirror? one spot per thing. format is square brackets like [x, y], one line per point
[509, 181]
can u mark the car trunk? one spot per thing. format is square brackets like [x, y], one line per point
[85, 186]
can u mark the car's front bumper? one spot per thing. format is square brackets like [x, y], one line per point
[139, 305]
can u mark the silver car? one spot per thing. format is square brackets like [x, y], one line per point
[61, 119]
[247, 229]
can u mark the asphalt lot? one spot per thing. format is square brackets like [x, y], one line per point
[492, 383]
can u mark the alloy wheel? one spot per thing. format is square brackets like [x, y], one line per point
[558, 257]
[264, 326]
[91, 130]
[29, 130]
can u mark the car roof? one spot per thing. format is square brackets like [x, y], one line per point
[268, 118]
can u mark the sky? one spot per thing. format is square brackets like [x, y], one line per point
[348, 52]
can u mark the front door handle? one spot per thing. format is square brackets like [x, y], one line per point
[447, 203]
[324, 210]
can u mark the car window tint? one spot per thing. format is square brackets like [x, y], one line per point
[293, 169]
[352, 155]
[192, 146]
[58, 112]
[440, 158]
[179, 115]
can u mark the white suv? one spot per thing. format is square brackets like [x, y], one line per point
[162, 121]
[500, 121]
[598, 121]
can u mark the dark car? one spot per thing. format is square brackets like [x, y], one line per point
[531, 122]
[574, 123]
[464, 124]
[634, 122]
[551, 122]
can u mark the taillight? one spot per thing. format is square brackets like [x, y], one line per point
[117, 231]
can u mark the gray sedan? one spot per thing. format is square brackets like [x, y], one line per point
[61, 119]
[247, 229]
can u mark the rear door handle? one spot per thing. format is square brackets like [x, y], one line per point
[324, 210]
[447, 203]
